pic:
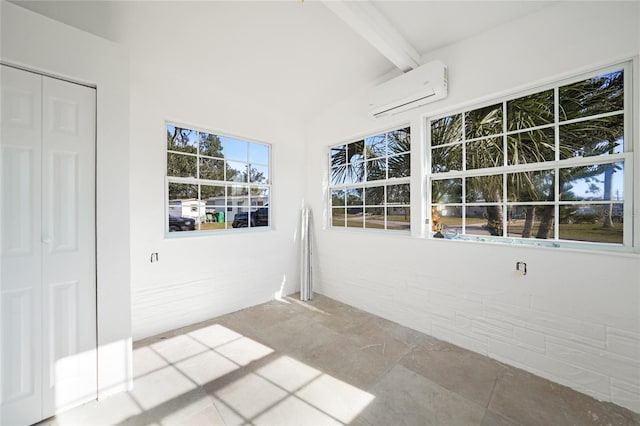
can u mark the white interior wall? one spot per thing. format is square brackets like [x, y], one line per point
[41, 44]
[575, 317]
[200, 277]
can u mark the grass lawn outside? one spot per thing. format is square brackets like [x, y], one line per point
[590, 232]
[208, 226]
[394, 222]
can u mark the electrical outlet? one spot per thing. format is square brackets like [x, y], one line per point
[154, 257]
[521, 267]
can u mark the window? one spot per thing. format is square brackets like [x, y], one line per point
[215, 182]
[369, 186]
[552, 165]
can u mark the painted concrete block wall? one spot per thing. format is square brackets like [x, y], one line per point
[200, 277]
[43, 45]
[575, 317]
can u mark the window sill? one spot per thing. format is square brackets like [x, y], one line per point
[233, 231]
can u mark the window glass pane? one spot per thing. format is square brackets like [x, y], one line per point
[259, 153]
[530, 111]
[338, 156]
[215, 202]
[592, 96]
[355, 217]
[210, 223]
[181, 223]
[213, 195]
[484, 188]
[355, 172]
[240, 208]
[210, 145]
[601, 223]
[259, 174]
[235, 149]
[180, 165]
[376, 146]
[594, 182]
[184, 207]
[211, 169]
[399, 194]
[337, 217]
[531, 186]
[237, 190]
[259, 196]
[446, 158]
[346, 174]
[592, 137]
[445, 217]
[183, 140]
[400, 166]
[354, 197]
[337, 197]
[399, 218]
[534, 146]
[484, 220]
[355, 152]
[374, 196]
[377, 169]
[258, 217]
[238, 214]
[374, 218]
[446, 130]
[182, 191]
[484, 153]
[399, 141]
[485, 121]
[446, 191]
[339, 175]
[236, 171]
[529, 222]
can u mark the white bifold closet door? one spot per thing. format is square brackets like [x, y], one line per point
[48, 356]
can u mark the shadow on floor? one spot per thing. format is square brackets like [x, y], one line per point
[325, 363]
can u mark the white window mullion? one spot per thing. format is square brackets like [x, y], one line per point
[464, 142]
[463, 213]
[556, 121]
[556, 174]
[505, 162]
[556, 207]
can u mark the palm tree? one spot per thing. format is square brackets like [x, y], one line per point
[588, 137]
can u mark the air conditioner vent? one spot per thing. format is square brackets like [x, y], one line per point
[423, 85]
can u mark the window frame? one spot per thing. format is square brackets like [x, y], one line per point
[364, 184]
[227, 184]
[627, 156]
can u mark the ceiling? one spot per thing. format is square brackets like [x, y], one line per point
[296, 56]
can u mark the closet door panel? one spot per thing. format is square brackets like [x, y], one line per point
[69, 274]
[21, 331]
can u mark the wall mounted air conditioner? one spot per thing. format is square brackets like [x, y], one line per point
[423, 85]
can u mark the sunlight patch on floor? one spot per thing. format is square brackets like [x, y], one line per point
[218, 376]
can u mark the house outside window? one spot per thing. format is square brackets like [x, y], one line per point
[370, 182]
[215, 182]
[550, 167]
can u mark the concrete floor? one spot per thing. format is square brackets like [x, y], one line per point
[326, 363]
